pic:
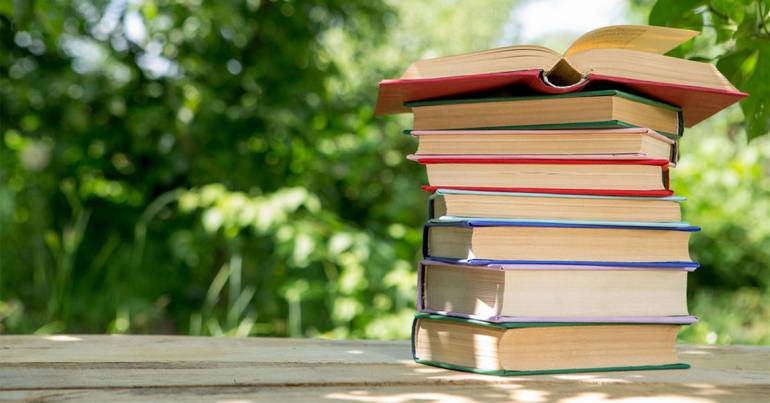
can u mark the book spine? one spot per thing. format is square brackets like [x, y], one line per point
[431, 206]
[594, 192]
[503, 372]
[573, 321]
[512, 159]
[414, 337]
[420, 286]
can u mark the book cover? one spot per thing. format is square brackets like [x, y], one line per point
[525, 223]
[514, 325]
[594, 192]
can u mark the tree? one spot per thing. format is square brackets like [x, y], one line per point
[149, 146]
[213, 167]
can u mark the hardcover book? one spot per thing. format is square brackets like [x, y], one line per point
[543, 347]
[632, 144]
[628, 56]
[451, 204]
[556, 293]
[574, 176]
[497, 241]
[591, 109]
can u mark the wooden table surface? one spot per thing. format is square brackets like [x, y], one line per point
[174, 368]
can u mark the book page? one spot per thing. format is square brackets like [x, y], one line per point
[511, 58]
[643, 38]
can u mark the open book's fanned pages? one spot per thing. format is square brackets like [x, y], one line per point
[623, 56]
[697, 103]
[515, 325]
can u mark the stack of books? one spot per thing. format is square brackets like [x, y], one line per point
[553, 242]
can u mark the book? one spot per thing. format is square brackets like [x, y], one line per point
[626, 56]
[508, 173]
[450, 204]
[542, 348]
[538, 242]
[632, 143]
[591, 109]
[557, 293]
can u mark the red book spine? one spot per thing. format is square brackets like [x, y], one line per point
[597, 192]
[471, 160]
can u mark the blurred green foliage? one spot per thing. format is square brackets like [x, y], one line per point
[196, 171]
[727, 182]
[211, 167]
[215, 168]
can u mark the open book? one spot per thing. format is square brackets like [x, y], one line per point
[627, 56]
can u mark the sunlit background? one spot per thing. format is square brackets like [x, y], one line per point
[215, 168]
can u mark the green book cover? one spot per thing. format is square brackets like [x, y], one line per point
[513, 325]
[601, 93]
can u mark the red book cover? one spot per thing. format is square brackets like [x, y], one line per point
[697, 103]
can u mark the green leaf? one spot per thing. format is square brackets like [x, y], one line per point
[737, 66]
[677, 13]
[755, 107]
[732, 9]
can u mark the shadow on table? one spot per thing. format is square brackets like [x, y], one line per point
[637, 386]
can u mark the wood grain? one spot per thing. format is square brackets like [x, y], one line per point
[166, 368]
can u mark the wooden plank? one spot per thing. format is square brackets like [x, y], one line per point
[17, 349]
[539, 392]
[269, 369]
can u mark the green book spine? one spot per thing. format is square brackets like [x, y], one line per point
[602, 93]
[503, 372]
[605, 124]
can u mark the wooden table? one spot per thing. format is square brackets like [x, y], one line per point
[173, 368]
